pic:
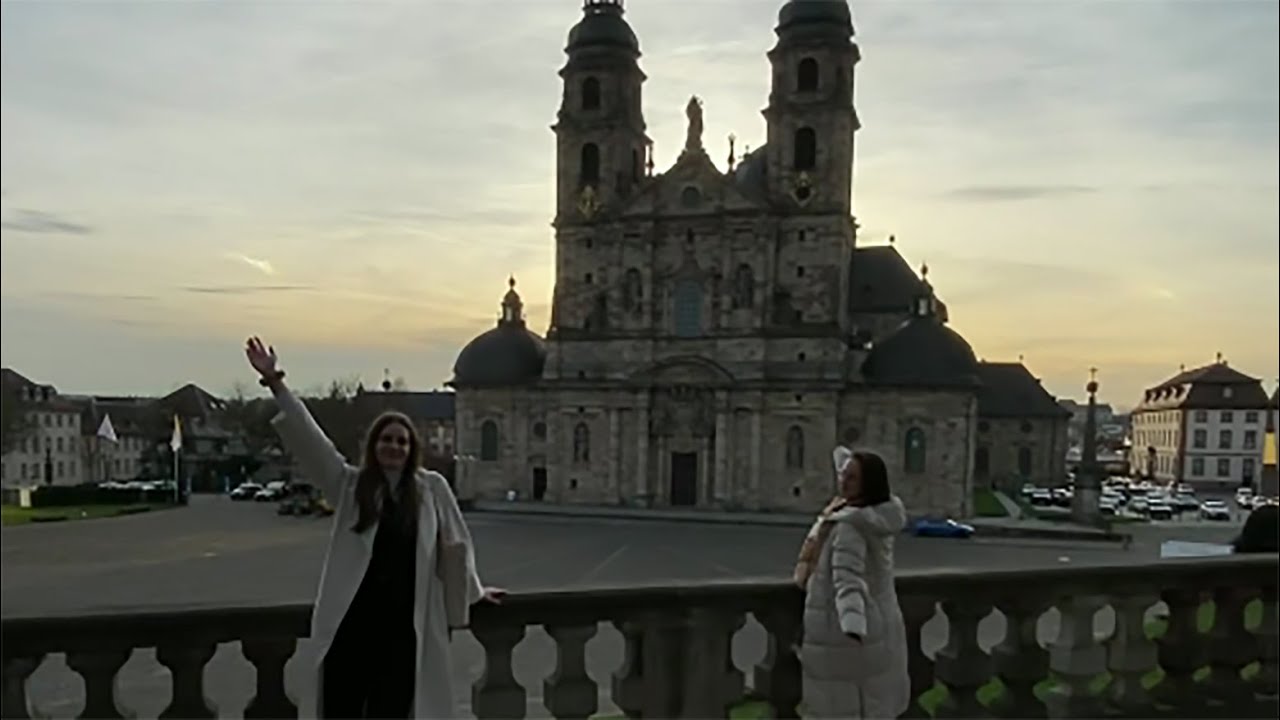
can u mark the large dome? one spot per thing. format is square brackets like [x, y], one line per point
[507, 355]
[602, 25]
[820, 15]
[922, 351]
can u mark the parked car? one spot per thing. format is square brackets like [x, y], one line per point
[304, 499]
[273, 491]
[933, 527]
[1160, 510]
[1041, 497]
[1185, 501]
[1214, 510]
[245, 491]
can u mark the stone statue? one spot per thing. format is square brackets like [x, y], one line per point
[693, 142]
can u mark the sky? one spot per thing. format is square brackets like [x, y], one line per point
[1091, 182]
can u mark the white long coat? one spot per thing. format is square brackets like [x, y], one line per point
[348, 558]
[851, 591]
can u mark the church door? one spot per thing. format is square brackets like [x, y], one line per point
[539, 483]
[684, 479]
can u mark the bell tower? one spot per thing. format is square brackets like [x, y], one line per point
[811, 119]
[600, 130]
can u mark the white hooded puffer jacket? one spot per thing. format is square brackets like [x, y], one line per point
[851, 591]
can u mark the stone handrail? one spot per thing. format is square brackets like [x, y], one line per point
[677, 660]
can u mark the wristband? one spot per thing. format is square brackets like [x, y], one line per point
[266, 380]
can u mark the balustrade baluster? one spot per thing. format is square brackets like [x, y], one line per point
[628, 679]
[665, 664]
[1231, 646]
[497, 694]
[1076, 658]
[1131, 655]
[1265, 682]
[712, 684]
[916, 611]
[1181, 650]
[186, 663]
[569, 692]
[99, 670]
[269, 656]
[1019, 661]
[16, 672]
[777, 677]
[961, 665]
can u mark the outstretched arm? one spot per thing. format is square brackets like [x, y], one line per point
[302, 436]
[848, 572]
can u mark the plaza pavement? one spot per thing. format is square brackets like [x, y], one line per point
[218, 553]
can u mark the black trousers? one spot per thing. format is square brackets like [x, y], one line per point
[370, 674]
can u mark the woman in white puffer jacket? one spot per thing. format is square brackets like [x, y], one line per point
[854, 652]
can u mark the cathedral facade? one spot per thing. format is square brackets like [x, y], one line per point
[716, 332]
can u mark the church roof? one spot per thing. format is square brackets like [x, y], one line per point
[882, 281]
[1010, 390]
[922, 352]
[1216, 386]
[507, 355]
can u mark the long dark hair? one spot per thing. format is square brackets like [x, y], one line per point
[371, 482]
[1259, 534]
[875, 479]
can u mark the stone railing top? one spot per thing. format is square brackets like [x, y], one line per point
[151, 627]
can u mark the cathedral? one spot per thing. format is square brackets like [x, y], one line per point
[715, 332]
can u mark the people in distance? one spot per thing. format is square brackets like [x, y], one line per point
[854, 651]
[399, 573]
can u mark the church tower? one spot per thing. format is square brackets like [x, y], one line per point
[600, 129]
[811, 120]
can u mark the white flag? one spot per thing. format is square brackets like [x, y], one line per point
[176, 441]
[106, 431]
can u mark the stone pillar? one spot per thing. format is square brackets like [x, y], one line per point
[723, 494]
[1088, 484]
[644, 483]
[754, 498]
[614, 456]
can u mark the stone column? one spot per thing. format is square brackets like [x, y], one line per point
[755, 482]
[644, 484]
[614, 456]
[723, 495]
[1084, 504]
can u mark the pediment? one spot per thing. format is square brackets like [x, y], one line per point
[693, 186]
[685, 371]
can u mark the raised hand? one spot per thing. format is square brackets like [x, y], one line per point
[261, 357]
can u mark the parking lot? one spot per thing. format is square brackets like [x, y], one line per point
[217, 553]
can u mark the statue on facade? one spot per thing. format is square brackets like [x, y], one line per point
[693, 141]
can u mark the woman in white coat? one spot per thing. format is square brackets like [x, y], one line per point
[380, 620]
[854, 654]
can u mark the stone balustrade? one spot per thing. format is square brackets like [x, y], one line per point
[1186, 638]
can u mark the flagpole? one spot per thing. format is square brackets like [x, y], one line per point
[177, 484]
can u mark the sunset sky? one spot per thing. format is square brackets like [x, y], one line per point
[1090, 182]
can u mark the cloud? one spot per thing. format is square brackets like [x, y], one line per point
[263, 266]
[1013, 193]
[243, 289]
[38, 222]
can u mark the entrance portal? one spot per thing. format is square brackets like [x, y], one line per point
[539, 483]
[684, 479]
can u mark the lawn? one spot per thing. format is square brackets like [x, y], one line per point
[985, 504]
[14, 515]
[990, 694]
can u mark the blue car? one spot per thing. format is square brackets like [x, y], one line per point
[931, 527]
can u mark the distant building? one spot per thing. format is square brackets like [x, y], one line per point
[121, 460]
[1202, 426]
[1022, 430]
[46, 449]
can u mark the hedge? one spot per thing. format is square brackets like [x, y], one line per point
[64, 495]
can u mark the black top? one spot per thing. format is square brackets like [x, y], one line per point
[384, 601]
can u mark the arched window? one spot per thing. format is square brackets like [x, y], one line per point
[687, 313]
[1024, 462]
[795, 448]
[632, 290]
[806, 149]
[981, 463]
[591, 94]
[635, 166]
[744, 287]
[581, 443]
[914, 451]
[589, 168]
[489, 440]
[807, 75]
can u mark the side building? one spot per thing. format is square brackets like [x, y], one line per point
[43, 436]
[1202, 426]
[1022, 430]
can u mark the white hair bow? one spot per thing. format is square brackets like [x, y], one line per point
[841, 456]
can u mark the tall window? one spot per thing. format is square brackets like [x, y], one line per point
[688, 308]
[1224, 467]
[1202, 416]
[1197, 467]
[1024, 462]
[632, 290]
[806, 149]
[981, 462]
[795, 448]
[1250, 439]
[589, 168]
[591, 94]
[489, 441]
[1200, 438]
[1246, 471]
[913, 456]
[1224, 439]
[744, 287]
[807, 75]
[581, 443]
